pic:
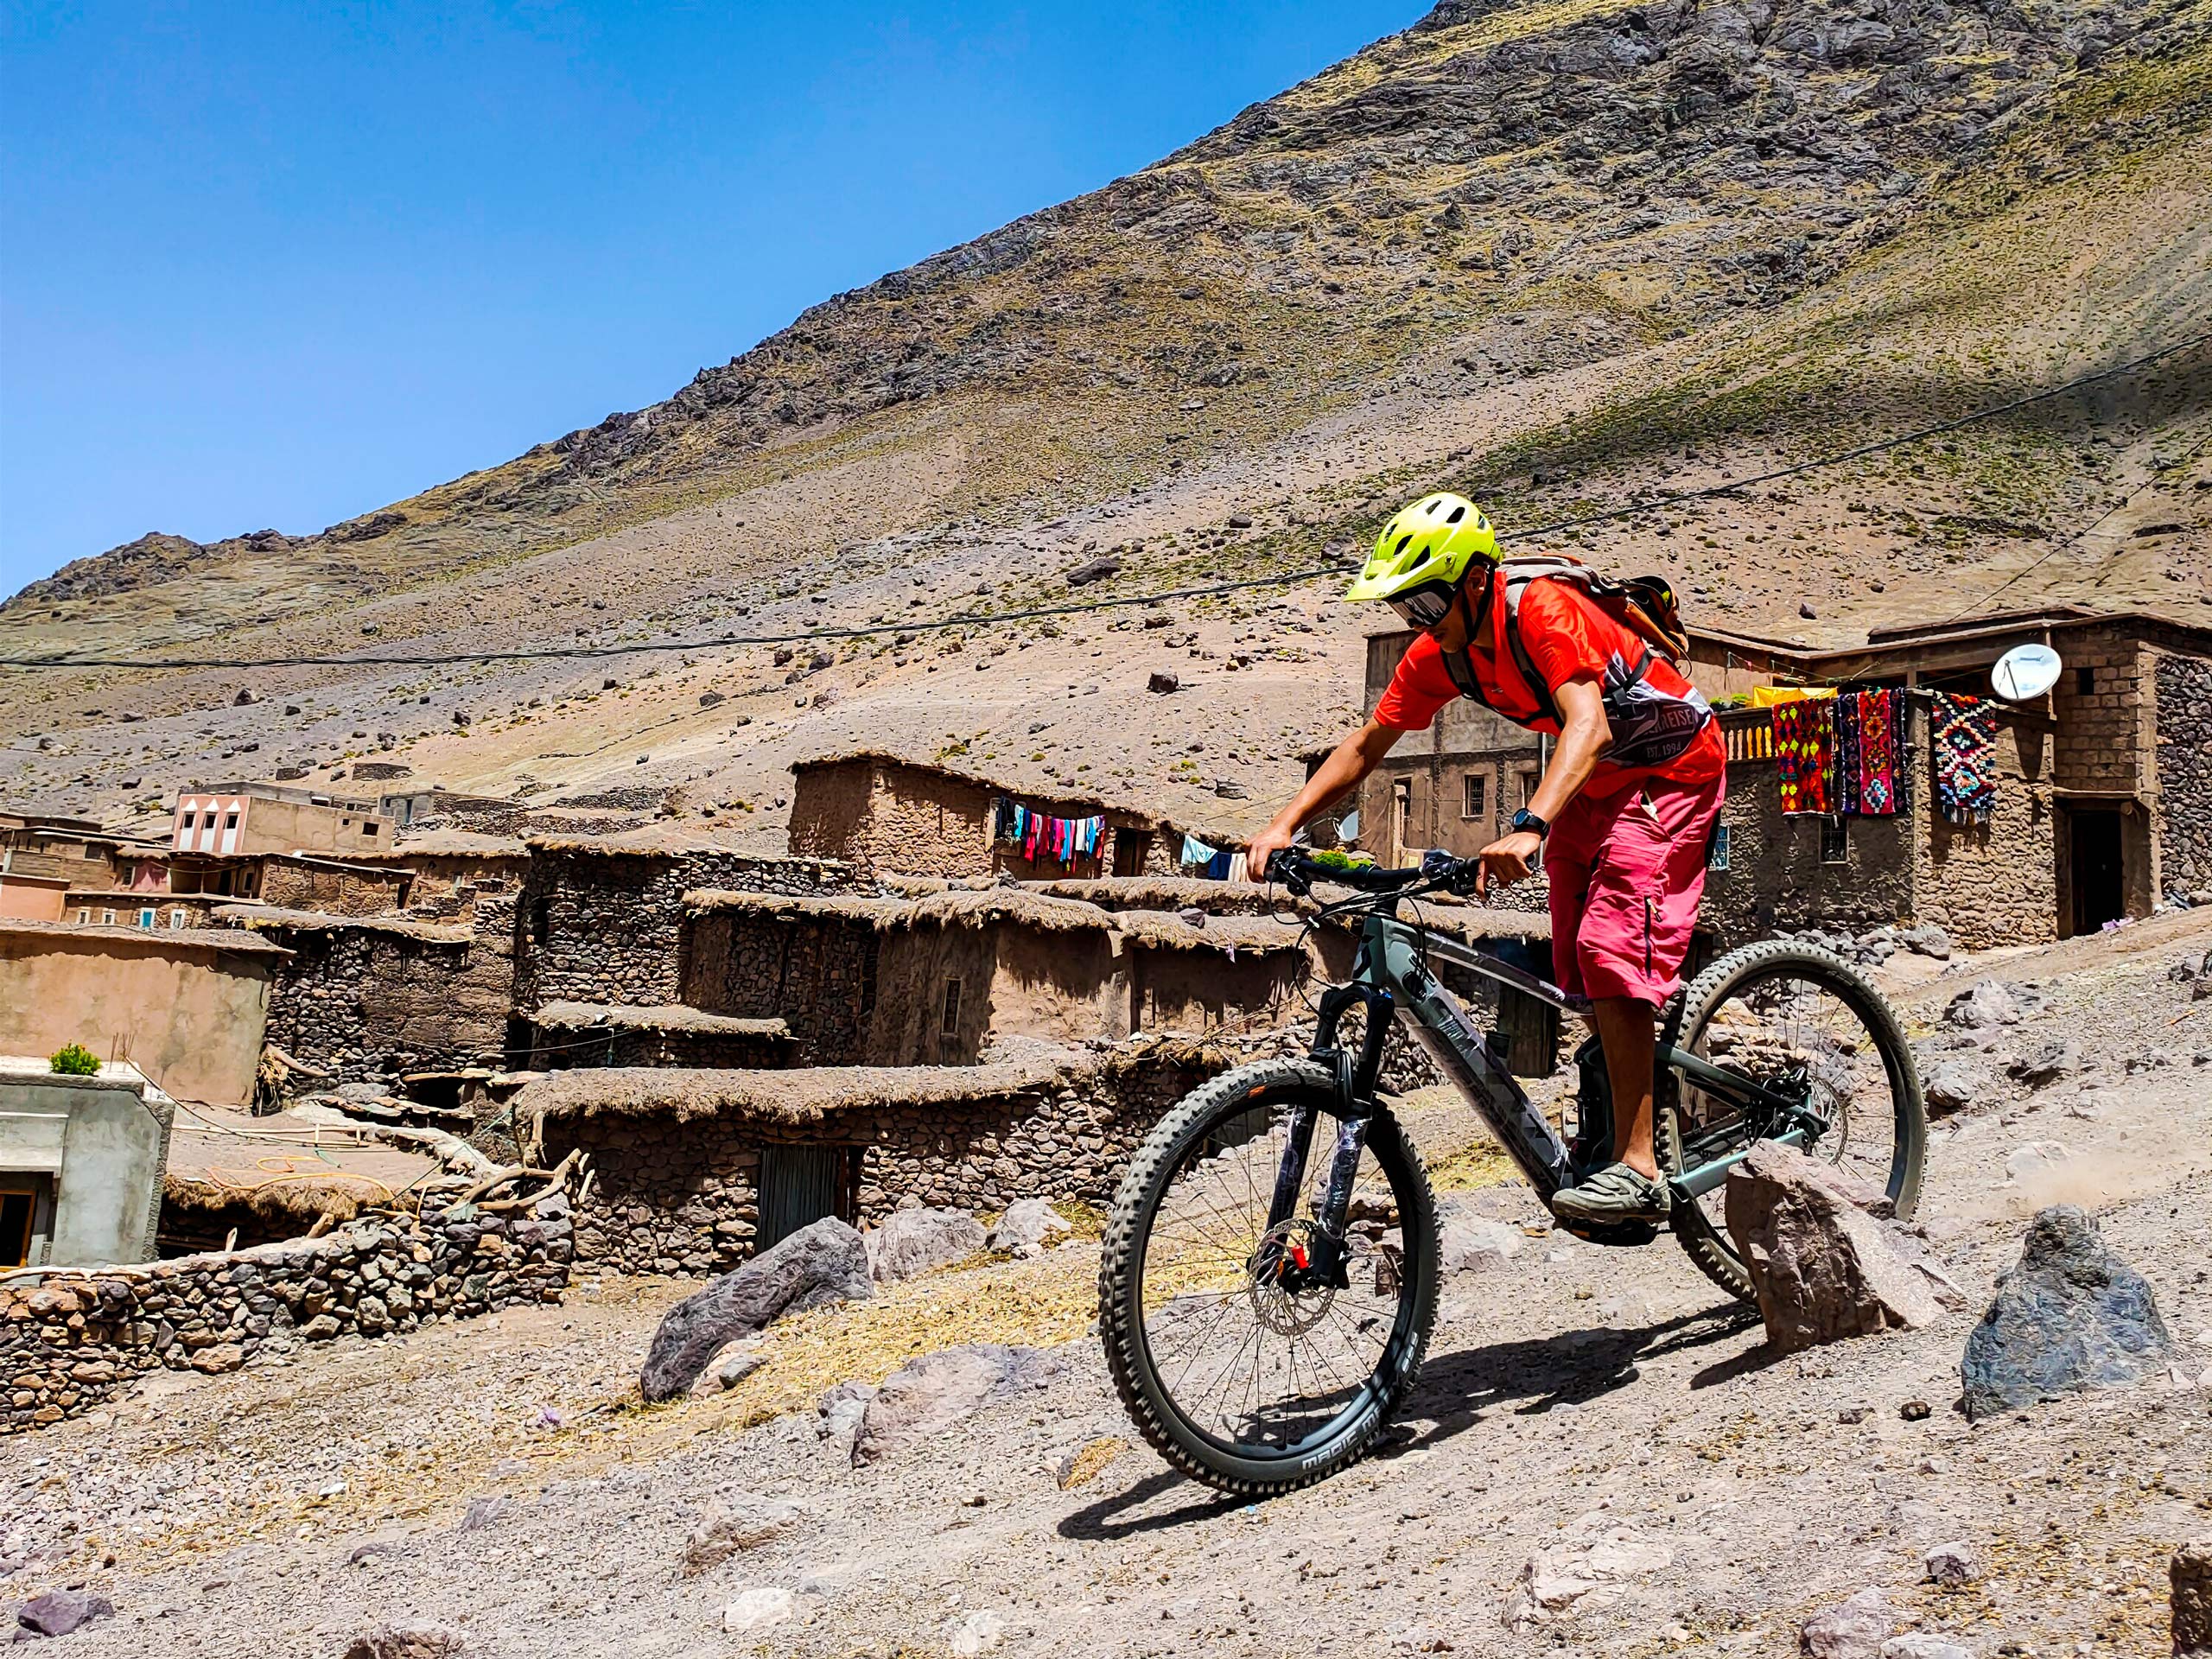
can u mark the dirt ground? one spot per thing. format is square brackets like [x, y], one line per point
[281, 1510]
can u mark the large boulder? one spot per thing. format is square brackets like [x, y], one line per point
[60, 1612]
[915, 1241]
[2071, 1316]
[825, 1262]
[929, 1395]
[1823, 1268]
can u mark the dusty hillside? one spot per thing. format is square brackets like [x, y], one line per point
[1557, 254]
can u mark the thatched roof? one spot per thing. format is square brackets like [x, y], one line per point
[668, 842]
[1054, 798]
[951, 908]
[447, 844]
[1164, 929]
[808, 1095]
[198, 938]
[298, 1203]
[1171, 893]
[271, 918]
[1466, 921]
[674, 1016]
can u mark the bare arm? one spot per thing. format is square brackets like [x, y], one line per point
[1585, 734]
[1344, 770]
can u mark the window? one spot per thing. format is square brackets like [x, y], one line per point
[368, 828]
[1401, 813]
[948, 1023]
[2085, 681]
[1477, 795]
[145, 918]
[1716, 857]
[1528, 781]
[84, 915]
[1836, 844]
[18, 1209]
[107, 918]
[230, 820]
[541, 918]
[178, 917]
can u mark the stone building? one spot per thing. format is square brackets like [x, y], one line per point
[937, 979]
[448, 869]
[363, 997]
[601, 919]
[568, 1035]
[2105, 784]
[696, 1170]
[879, 812]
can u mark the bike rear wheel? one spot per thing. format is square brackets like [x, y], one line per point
[1801, 1021]
[1234, 1381]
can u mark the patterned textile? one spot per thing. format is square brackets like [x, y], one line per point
[1966, 758]
[1878, 752]
[1804, 752]
[1845, 800]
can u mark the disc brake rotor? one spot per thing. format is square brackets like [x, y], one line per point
[1285, 1311]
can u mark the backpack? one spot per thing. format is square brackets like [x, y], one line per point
[1646, 607]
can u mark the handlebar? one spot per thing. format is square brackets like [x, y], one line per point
[1297, 870]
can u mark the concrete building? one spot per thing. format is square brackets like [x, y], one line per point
[257, 818]
[2105, 786]
[42, 858]
[80, 1164]
[187, 1006]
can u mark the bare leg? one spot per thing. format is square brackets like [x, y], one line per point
[1627, 1029]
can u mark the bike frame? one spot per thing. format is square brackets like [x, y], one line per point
[1391, 979]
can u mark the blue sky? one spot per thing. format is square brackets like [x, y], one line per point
[279, 263]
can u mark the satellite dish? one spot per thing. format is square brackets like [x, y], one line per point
[2024, 672]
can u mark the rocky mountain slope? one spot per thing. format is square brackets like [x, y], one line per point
[1561, 255]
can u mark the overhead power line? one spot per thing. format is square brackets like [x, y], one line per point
[1042, 612]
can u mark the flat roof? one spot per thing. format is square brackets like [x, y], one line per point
[197, 938]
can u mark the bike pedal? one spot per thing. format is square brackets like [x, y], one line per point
[1621, 1235]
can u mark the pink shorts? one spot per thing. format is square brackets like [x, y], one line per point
[1627, 871]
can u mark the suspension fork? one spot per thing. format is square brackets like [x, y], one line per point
[1356, 1079]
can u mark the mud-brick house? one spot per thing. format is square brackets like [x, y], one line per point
[365, 997]
[566, 1035]
[601, 919]
[186, 1005]
[2104, 784]
[695, 1170]
[44, 858]
[880, 812]
[936, 980]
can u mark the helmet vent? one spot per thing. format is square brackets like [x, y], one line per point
[1403, 540]
[1458, 513]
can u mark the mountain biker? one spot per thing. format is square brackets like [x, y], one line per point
[1624, 813]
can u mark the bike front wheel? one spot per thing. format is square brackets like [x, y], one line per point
[1237, 1381]
[1804, 1023]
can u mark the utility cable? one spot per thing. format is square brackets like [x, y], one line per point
[587, 653]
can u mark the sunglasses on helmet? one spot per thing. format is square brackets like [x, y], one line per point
[1425, 607]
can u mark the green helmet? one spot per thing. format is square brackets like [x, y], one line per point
[1422, 555]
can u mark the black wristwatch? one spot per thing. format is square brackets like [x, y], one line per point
[1525, 821]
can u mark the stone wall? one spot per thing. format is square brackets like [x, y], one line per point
[2185, 734]
[607, 926]
[815, 974]
[1778, 878]
[675, 1196]
[2104, 733]
[1995, 883]
[566, 1047]
[367, 1000]
[70, 1343]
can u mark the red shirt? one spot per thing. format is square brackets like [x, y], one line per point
[1569, 637]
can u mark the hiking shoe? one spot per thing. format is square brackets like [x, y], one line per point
[1614, 1193]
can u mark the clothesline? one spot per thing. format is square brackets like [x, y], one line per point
[1841, 753]
[1040, 834]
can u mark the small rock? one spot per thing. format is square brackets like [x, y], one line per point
[1855, 1630]
[739, 1524]
[2191, 1574]
[1991, 1002]
[408, 1641]
[1951, 1563]
[218, 1357]
[1951, 1086]
[1028, 1227]
[980, 1632]
[482, 1512]
[928, 1395]
[1914, 1411]
[1163, 681]
[1852, 1414]
[842, 1410]
[2037, 1157]
[1477, 1244]
[1923, 1644]
[1094, 570]
[2045, 1064]
[1805, 609]
[2070, 1316]
[758, 1609]
[62, 1613]
[1085, 1463]
[737, 1366]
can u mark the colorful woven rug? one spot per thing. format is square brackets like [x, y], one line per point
[1878, 752]
[1804, 753]
[1966, 758]
[1845, 800]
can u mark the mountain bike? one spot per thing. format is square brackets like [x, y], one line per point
[1266, 1290]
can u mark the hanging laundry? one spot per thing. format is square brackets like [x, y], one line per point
[1237, 869]
[1878, 712]
[1196, 851]
[1966, 758]
[1217, 868]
